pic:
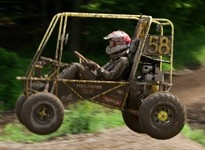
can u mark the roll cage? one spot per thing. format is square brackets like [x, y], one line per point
[148, 52]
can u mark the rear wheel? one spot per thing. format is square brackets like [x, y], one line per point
[162, 115]
[43, 113]
[132, 122]
[132, 105]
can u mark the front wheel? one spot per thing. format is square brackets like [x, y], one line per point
[162, 115]
[42, 113]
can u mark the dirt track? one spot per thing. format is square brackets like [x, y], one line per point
[113, 139]
[188, 87]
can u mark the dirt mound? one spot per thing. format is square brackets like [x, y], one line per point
[189, 86]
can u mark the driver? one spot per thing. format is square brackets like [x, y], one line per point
[118, 49]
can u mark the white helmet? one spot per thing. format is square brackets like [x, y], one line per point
[118, 42]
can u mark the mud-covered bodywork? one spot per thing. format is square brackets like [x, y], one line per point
[150, 51]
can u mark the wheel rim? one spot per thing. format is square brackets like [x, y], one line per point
[163, 116]
[43, 113]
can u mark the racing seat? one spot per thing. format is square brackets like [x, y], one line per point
[131, 54]
[136, 47]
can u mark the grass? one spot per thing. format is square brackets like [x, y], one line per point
[17, 132]
[197, 135]
[83, 118]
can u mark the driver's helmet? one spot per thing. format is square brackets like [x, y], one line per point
[119, 43]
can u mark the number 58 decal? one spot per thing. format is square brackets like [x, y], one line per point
[158, 45]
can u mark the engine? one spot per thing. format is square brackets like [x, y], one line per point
[152, 73]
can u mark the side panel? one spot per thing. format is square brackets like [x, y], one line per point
[111, 94]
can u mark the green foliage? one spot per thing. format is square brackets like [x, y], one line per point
[197, 135]
[17, 132]
[189, 49]
[9, 66]
[201, 54]
[83, 117]
[79, 121]
[87, 117]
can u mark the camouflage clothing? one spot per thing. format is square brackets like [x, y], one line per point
[113, 70]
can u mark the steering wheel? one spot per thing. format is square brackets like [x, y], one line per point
[81, 57]
[91, 64]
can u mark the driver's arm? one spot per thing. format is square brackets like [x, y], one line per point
[116, 71]
[91, 64]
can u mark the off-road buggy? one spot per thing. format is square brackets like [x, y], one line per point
[143, 96]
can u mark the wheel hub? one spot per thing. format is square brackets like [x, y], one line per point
[162, 115]
[43, 113]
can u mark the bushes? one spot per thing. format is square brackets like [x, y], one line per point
[86, 117]
[9, 86]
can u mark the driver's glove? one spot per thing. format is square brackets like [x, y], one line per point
[92, 65]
